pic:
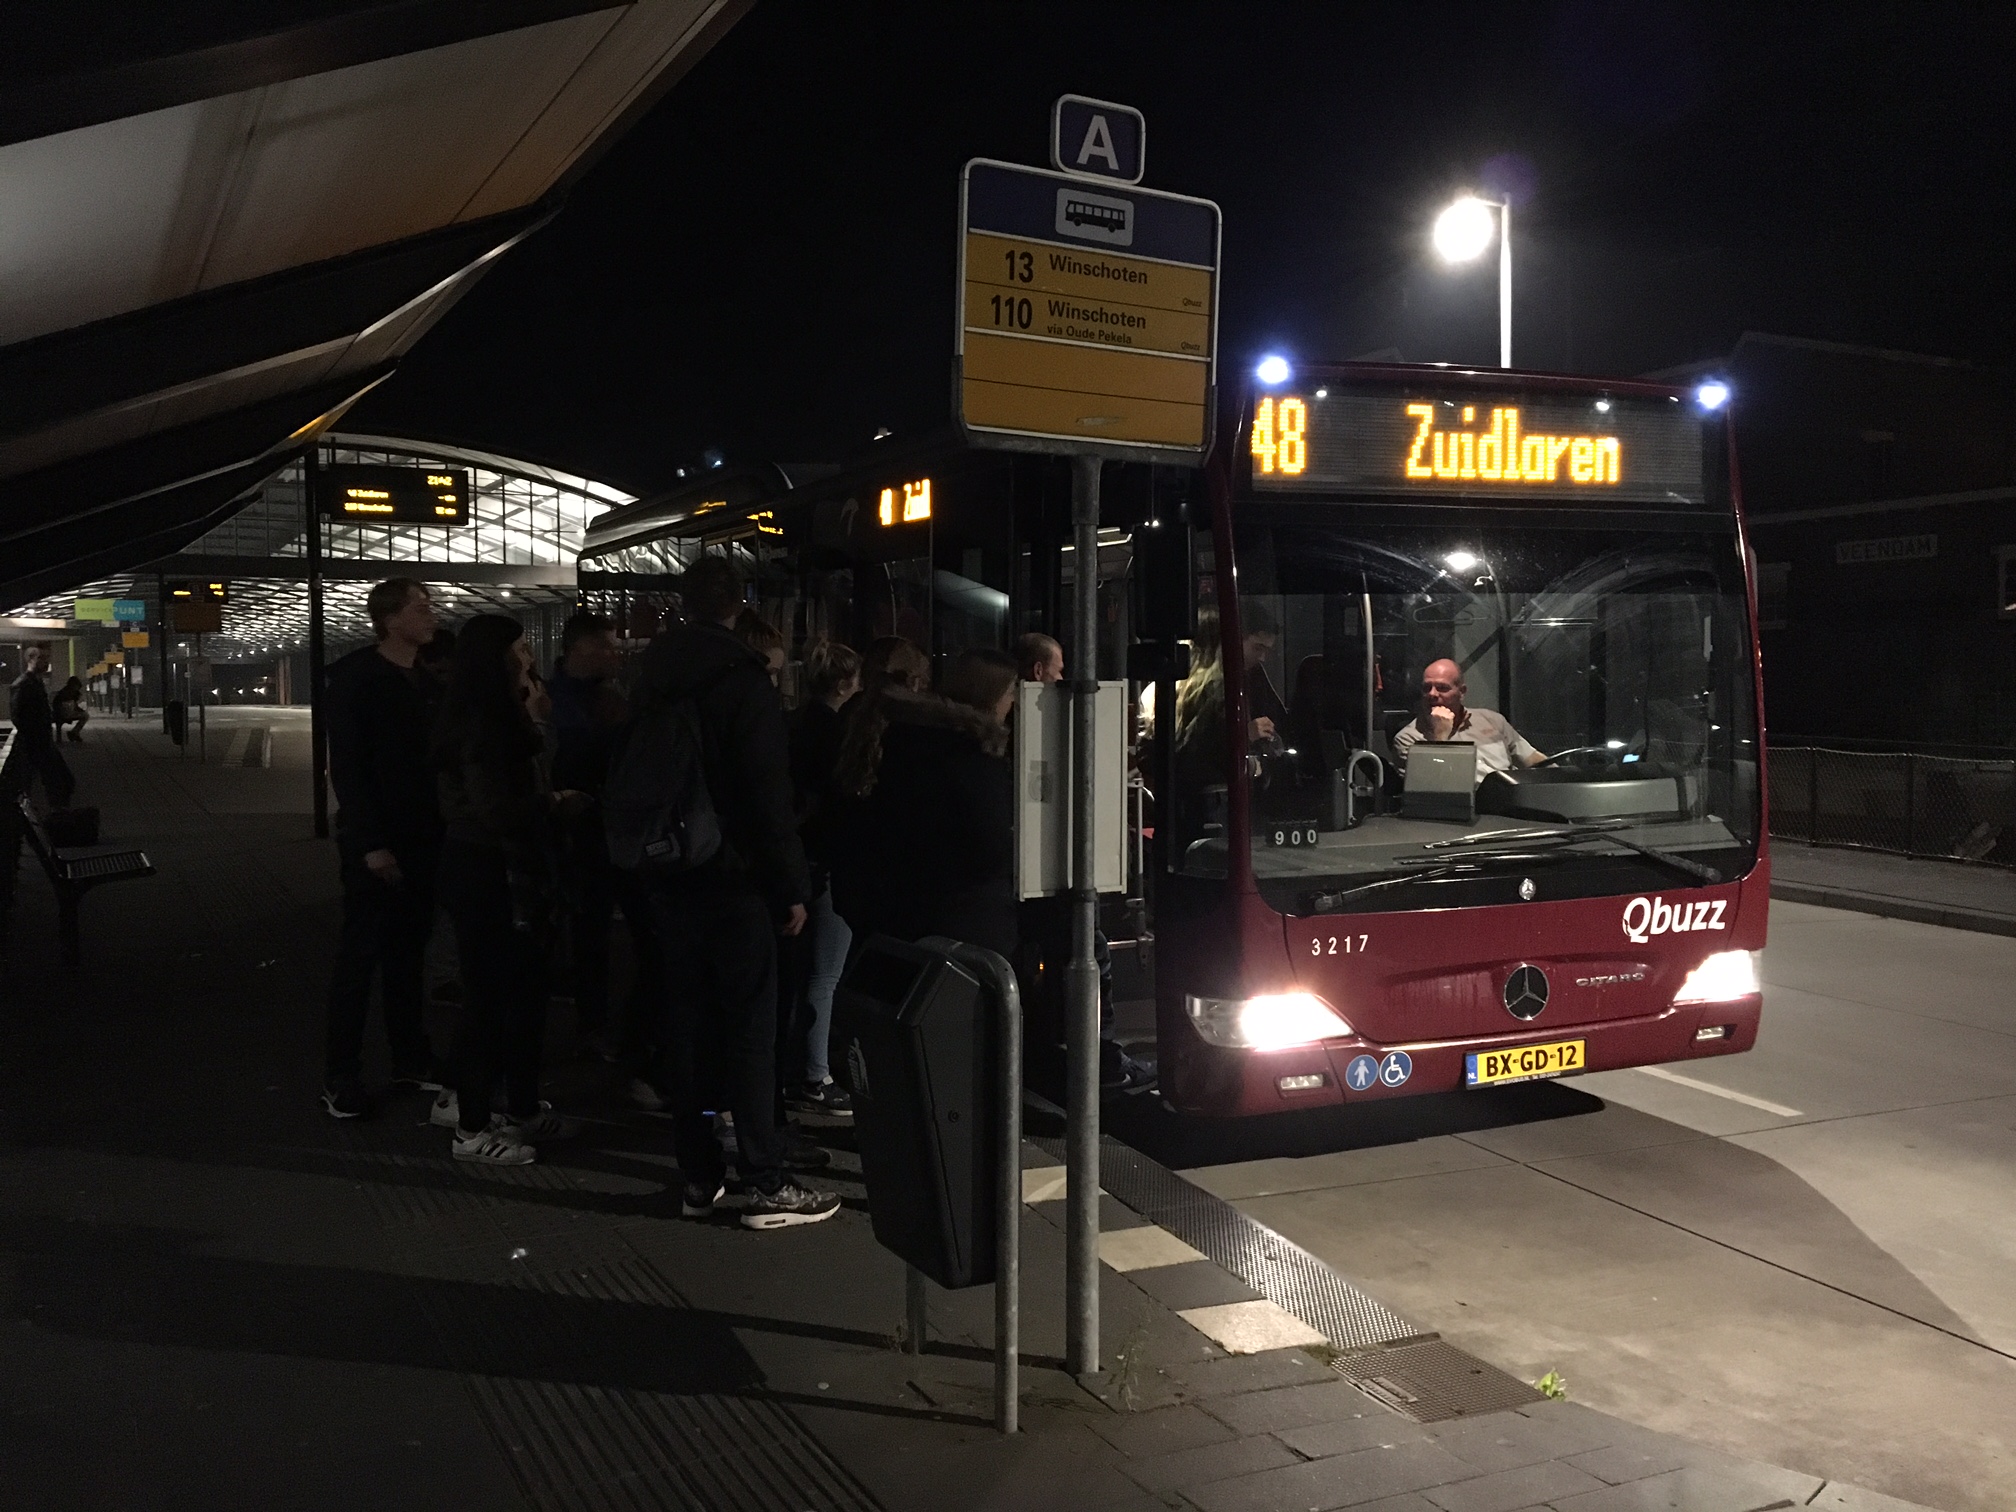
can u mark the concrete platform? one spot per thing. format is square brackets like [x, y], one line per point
[1955, 894]
[211, 1295]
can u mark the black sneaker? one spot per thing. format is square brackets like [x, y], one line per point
[697, 1199]
[344, 1097]
[429, 1076]
[827, 1098]
[788, 1206]
[1121, 1072]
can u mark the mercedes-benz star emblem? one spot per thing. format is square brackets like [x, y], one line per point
[1526, 992]
[1527, 889]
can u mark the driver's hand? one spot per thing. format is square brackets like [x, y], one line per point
[1441, 723]
[1262, 729]
[794, 922]
[384, 866]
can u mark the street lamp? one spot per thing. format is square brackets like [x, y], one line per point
[1462, 232]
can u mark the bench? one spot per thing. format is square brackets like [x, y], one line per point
[75, 870]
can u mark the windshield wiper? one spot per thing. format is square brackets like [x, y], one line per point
[1553, 843]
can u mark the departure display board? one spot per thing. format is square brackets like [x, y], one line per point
[395, 495]
[1472, 442]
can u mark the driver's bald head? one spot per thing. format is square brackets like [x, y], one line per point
[1442, 684]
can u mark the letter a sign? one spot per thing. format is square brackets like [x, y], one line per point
[1098, 139]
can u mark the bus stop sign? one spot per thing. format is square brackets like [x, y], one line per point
[1088, 314]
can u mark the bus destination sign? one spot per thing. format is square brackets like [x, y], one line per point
[1405, 441]
[395, 495]
[1087, 312]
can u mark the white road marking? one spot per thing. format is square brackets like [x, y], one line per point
[1250, 1327]
[1144, 1249]
[1701, 1086]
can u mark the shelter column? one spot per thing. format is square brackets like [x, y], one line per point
[318, 730]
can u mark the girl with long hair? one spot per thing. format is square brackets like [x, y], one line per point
[832, 679]
[931, 846]
[497, 882]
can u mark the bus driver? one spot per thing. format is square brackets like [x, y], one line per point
[1444, 716]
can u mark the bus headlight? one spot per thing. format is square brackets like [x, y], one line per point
[1724, 977]
[1272, 1021]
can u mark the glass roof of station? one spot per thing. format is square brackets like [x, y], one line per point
[524, 533]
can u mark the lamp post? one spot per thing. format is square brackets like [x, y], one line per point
[1462, 232]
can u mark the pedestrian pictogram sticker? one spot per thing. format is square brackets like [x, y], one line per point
[1361, 1073]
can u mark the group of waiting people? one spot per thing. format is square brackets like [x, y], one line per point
[878, 806]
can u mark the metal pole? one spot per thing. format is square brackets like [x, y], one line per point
[1505, 282]
[161, 626]
[1371, 674]
[318, 730]
[913, 1310]
[1081, 972]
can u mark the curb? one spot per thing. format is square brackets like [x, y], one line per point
[1911, 909]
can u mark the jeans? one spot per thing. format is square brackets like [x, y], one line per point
[719, 938]
[830, 939]
[502, 1018]
[385, 929]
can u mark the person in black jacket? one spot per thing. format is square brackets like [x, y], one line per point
[931, 848]
[388, 841]
[720, 923]
[498, 882]
[34, 753]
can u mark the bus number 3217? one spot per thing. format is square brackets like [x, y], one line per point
[1338, 945]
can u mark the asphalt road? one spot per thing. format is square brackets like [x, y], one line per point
[1805, 1255]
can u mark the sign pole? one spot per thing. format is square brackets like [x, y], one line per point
[318, 730]
[1081, 972]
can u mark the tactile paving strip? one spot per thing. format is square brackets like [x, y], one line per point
[1281, 1271]
[1406, 1367]
[600, 1385]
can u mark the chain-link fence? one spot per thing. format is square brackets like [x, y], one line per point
[1901, 801]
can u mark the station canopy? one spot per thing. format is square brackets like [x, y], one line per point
[515, 555]
[223, 221]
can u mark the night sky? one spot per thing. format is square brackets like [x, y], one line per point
[765, 264]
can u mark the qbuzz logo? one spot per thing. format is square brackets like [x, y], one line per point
[1646, 917]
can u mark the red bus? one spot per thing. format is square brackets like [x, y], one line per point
[1566, 871]
[1315, 922]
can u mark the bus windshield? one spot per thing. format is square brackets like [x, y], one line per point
[1597, 729]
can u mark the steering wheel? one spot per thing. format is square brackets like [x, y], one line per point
[1593, 757]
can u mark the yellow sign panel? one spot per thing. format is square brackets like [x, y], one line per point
[1086, 314]
[134, 640]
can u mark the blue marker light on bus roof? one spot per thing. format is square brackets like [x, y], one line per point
[1272, 370]
[1712, 395]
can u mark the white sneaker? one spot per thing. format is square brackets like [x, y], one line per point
[647, 1096]
[493, 1147]
[446, 1112]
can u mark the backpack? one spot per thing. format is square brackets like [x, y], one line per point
[658, 818]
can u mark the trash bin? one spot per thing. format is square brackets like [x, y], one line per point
[922, 1036]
